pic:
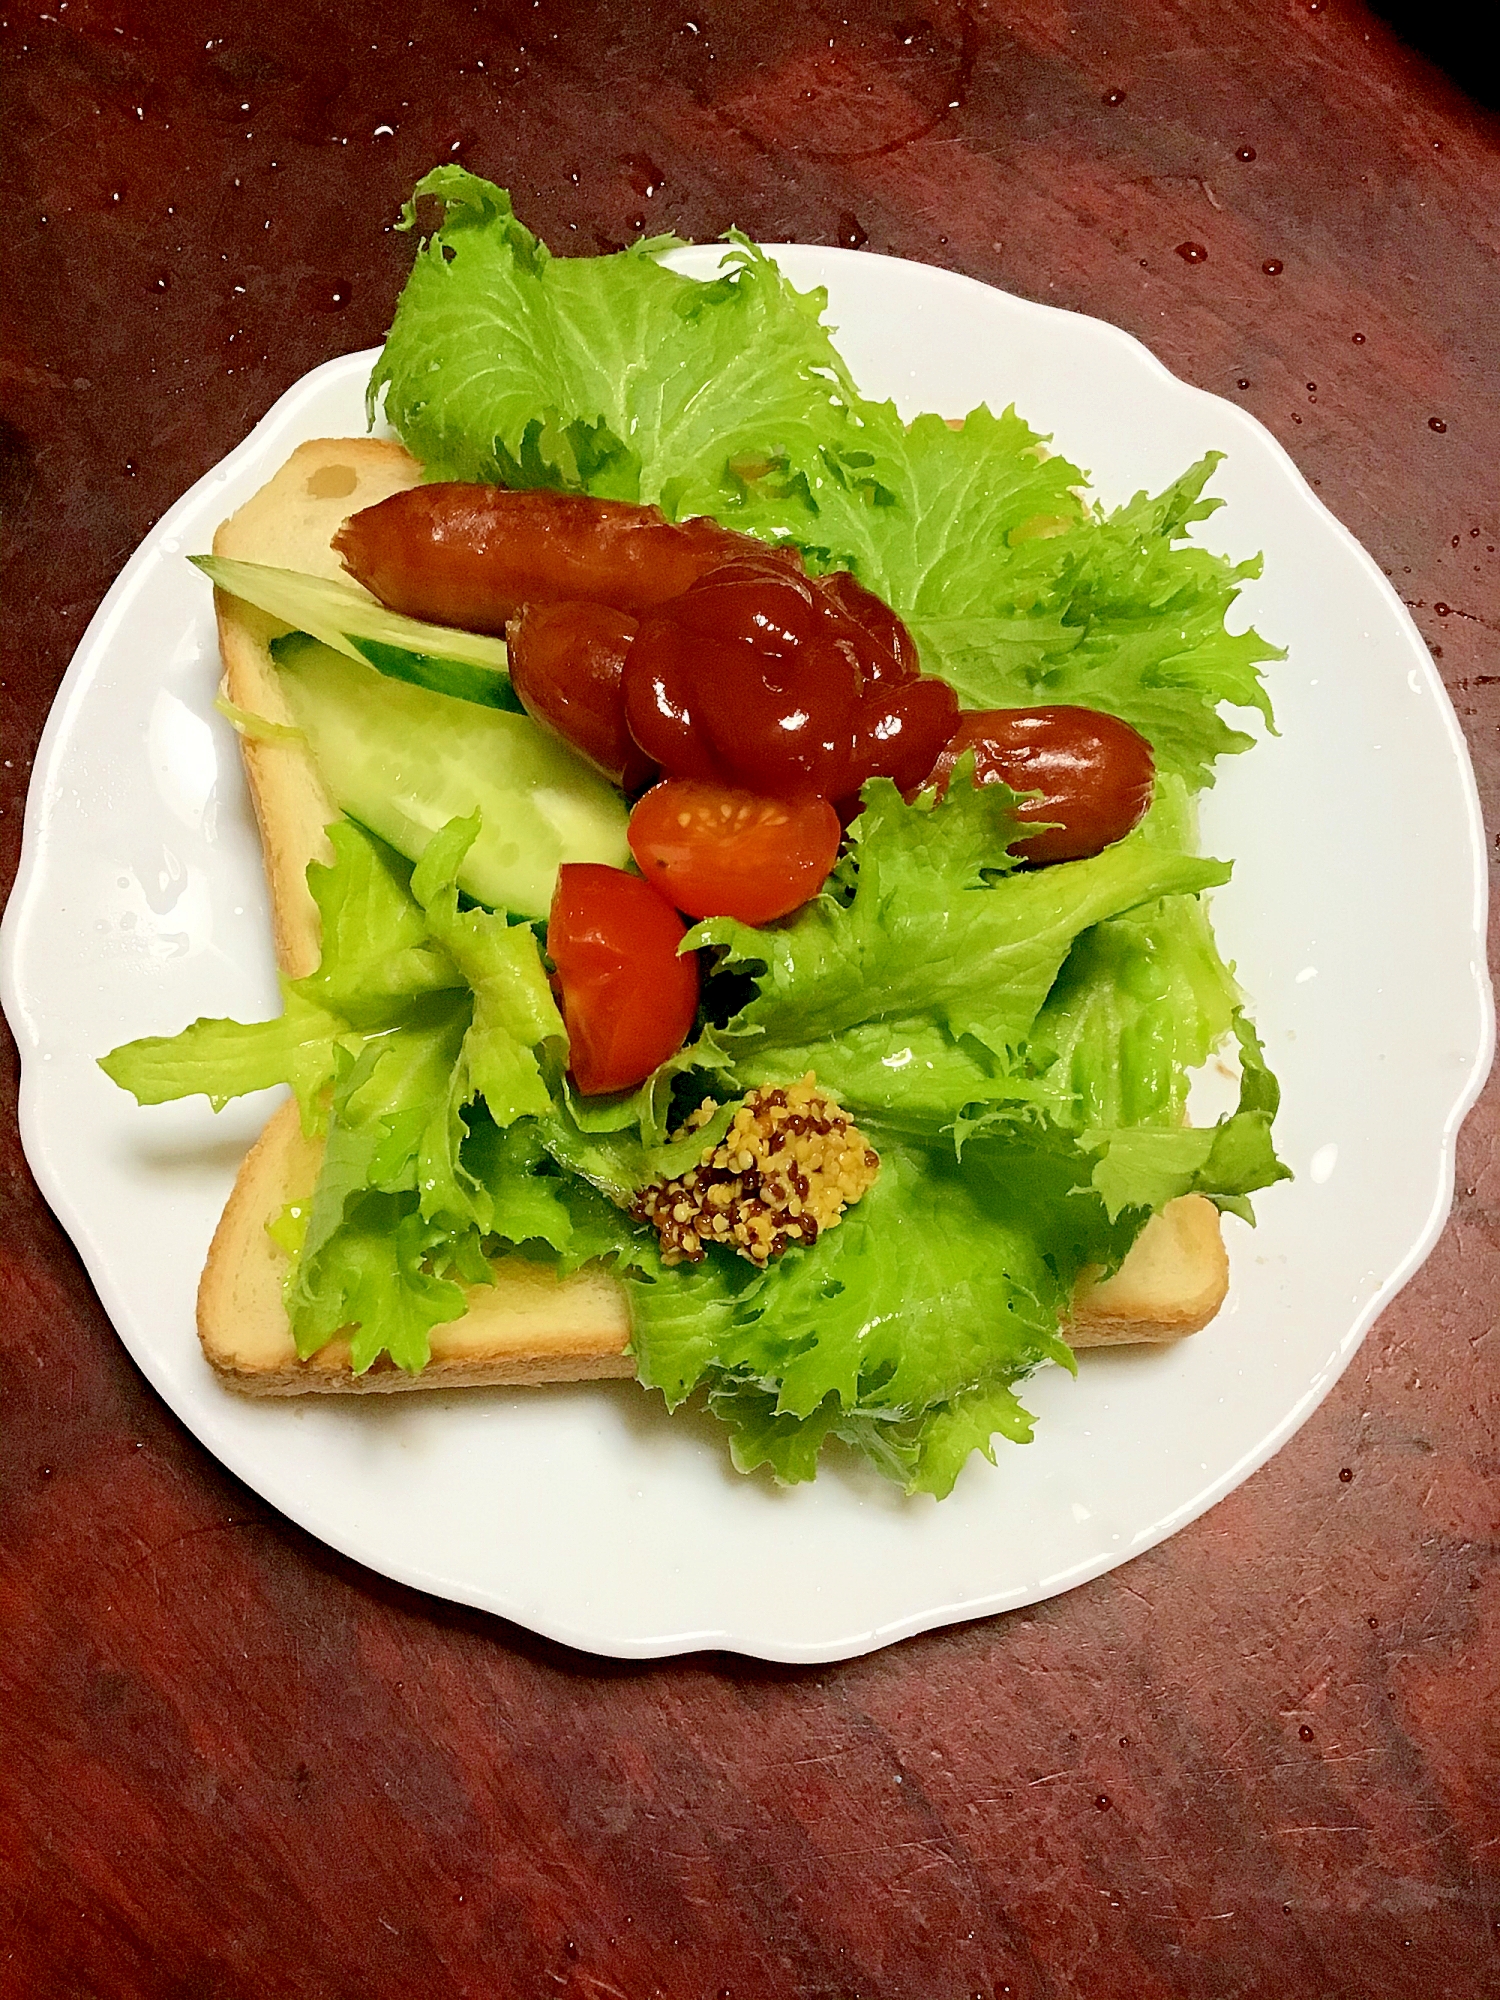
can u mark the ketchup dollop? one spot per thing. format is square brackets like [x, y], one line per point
[791, 686]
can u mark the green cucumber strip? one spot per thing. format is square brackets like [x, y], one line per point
[404, 760]
[345, 617]
[457, 678]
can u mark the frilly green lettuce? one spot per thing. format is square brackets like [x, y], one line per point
[1016, 1043]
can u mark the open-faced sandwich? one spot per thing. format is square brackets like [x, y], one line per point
[733, 872]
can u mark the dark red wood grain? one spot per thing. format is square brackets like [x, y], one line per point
[1264, 1759]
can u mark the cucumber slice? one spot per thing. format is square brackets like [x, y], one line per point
[458, 678]
[467, 664]
[404, 761]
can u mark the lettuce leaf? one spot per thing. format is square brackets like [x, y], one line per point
[607, 375]
[1141, 1000]
[222, 1059]
[917, 986]
[436, 1069]
[1147, 1166]
[612, 375]
[1017, 592]
[904, 1331]
[421, 1021]
[917, 996]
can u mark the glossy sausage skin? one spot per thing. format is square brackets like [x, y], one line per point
[566, 662]
[742, 669]
[1094, 773]
[471, 556]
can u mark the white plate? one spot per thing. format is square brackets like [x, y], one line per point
[1356, 916]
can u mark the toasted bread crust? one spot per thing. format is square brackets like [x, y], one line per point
[291, 523]
[529, 1326]
[1173, 1281]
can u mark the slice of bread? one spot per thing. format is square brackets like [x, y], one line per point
[531, 1327]
[528, 1326]
[290, 524]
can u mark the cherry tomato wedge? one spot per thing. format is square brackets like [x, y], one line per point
[628, 1000]
[566, 661]
[717, 852]
[473, 555]
[1094, 773]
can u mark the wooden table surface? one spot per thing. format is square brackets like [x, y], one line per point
[1262, 1759]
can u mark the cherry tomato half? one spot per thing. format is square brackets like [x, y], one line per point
[628, 1000]
[717, 852]
[1094, 773]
